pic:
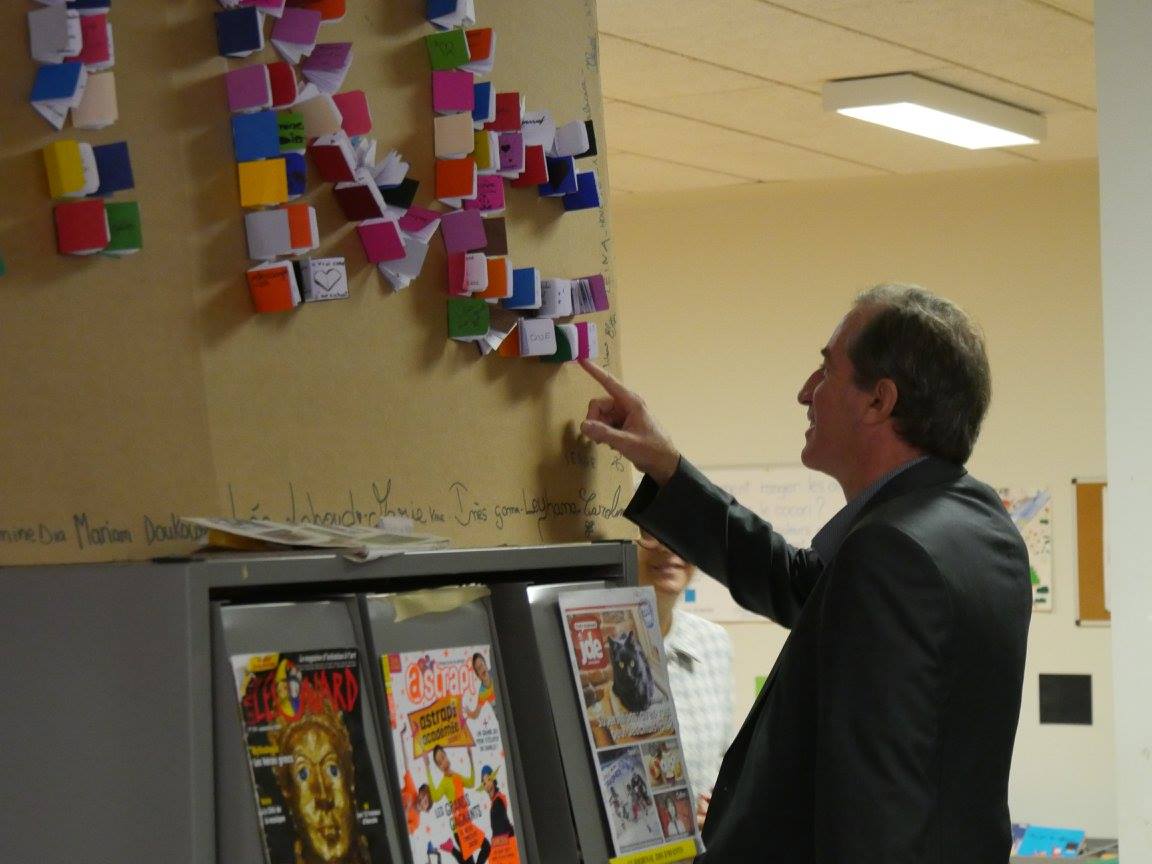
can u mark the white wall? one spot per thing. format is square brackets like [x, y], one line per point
[728, 295]
[1123, 37]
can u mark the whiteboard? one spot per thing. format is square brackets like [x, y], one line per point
[796, 501]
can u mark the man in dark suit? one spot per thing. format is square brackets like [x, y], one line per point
[885, 730]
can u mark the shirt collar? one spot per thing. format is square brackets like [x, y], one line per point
[680, 641]
[828, 539]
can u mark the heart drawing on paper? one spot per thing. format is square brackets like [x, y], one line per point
[329, 279]
[505, 148]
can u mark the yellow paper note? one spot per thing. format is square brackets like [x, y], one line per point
[65, 168]
[263, 182]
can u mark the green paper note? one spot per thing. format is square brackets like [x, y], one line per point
[565, 350]
[123, 227]
[292, 136]
[468, 317]
[447, 50]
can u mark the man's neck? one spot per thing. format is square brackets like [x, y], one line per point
[664, 606]
[878, 466]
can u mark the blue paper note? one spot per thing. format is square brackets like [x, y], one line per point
[58, 81]
[587, 194]
[297, 169]
[561, 177]
[114, 167]
[482, 102]
[238, 31]
[525, 289]
[438, 8]
[90, 4]
[256, 136]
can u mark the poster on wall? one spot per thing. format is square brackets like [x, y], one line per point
[620, 671]
[1031, 512]
[793, 499]
[303, 724]
[450, 755]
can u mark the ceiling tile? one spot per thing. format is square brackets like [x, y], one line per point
[634, 173]
[638, 73]
[649, 132]
[755, 37]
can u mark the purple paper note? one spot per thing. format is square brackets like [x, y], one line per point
[248, 88]
[596, 290]
[463, 231]
[297, 26]
[511, 151]
[328, 57]
[452, 91]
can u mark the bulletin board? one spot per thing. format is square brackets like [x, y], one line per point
[135, 391]
[1090, 555]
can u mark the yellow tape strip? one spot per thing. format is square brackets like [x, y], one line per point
[413, 603]
[682, 850]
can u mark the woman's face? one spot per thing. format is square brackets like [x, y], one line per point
[480, 667]
[440, 757]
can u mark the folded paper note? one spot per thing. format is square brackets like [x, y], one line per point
[294, 34]
[330, 10]
[475, 272]
[468, 318]
[275, 8]
[263, 182]
[537, 337]
[483, 103]
[402, 271]
[499, 285]
[359, 199]
[327, 65]
[64, 165]
[567, 344]
[420, 223]
[511, 154]
[321, 116]
[453, 135]
[555, 298]
[323, 279]
[489, 195]
[288, 230]
[447, 50]
[402, 195]
[539, 129]
[124, 236]
[561, 177]
[508, 113]
[57, 89]
[525, 289]
[455, 180]
[463, 231]
[291, 126]
[97, 51]
[587, 194]
[54, 34]
[98, 108]
[452, 91]
[81, 227]
[571, 140]
[334, 157]
[588, 340]
[273, 287]
[381, 240]
[535, 168]
[447, 14]
[297, 171]
[255, 136]
[481, 50]
[239, 32]
[282, 81]
[495, 236]
[248, 88]
[355, 117]
[114, 167]
[589, 295]
[485, 149]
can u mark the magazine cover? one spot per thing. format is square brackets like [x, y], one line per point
[303, 724]
[450, 756]
[618, 663]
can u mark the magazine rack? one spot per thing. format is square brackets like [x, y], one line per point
[116, 749]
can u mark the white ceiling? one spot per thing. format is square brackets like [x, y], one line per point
[705, 93]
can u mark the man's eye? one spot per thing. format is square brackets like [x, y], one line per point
[334, 770]
[302, 774]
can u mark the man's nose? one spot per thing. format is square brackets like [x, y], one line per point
[804, 397]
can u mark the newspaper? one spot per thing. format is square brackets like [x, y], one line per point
[356, 542]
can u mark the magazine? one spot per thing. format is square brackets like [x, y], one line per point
[618, 663]
[357, 542]
[315, 789]
[450, 756]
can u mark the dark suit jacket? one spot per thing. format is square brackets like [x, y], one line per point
[884, 732]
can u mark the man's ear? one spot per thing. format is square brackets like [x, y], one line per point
[884, 397]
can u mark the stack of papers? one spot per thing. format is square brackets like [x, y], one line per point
[357, 542]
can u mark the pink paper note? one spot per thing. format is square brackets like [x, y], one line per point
[417, 219]
[356, 118]
[489, 194]
[248, 88]
[94, 32]
[511, 151]
[381, 240]
[297, 26]
[452, 91]
[328, 57]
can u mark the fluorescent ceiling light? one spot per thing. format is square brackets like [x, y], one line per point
[917, 105]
